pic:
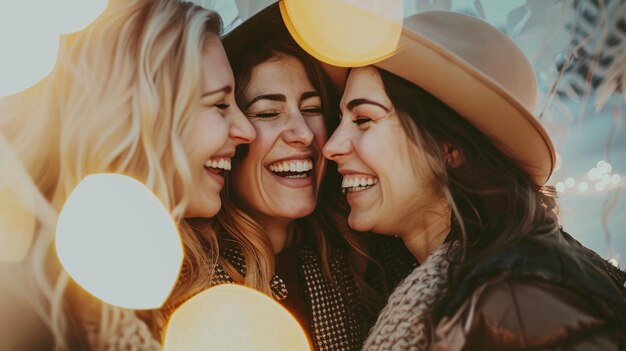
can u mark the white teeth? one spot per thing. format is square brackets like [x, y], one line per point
[303, 175]
[357, 183]
[222, 163]
[298, 166]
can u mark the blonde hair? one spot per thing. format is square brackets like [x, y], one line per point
[120, 99]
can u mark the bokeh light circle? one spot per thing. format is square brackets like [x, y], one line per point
[118, 242]
[345, 33]
[232, 318]
[29, 37]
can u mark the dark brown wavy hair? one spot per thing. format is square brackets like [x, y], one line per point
[494, 202]
[324, 226]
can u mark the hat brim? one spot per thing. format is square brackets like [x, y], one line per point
[465, 89]
[476, 97]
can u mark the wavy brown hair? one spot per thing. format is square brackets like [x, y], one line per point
[324, 226]
[494, 202]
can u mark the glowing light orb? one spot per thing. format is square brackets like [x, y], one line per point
[117, 241]
[560, 187]
[233, 318]
[594, 174]
[570, 182]
[600, 186]
[71, 15]
[583, 186]
[29, 37]
[605, 167]
[345, 33]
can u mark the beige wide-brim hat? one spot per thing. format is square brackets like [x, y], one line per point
[481, 74]
[470, 66]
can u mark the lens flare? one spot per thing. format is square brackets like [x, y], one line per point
[345, 33]
[232, 318]
[29, 37]
[117, 241]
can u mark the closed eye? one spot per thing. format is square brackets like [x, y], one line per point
[268, 114]
[361, 120]
[222, 107]
[312, 111]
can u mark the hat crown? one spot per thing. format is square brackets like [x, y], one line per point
[482, 46]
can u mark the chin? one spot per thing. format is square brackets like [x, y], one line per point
[299, 212]
[207, 210]
[359, 224]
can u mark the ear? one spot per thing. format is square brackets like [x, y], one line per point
[453, 156]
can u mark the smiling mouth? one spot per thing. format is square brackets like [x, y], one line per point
[292, 169]
[219, 166]
[351, 184]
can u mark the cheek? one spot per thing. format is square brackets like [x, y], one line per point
[373, 152]
[246, 170]
[209, 134]
[318, 127]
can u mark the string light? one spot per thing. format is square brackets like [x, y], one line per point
[615, 179]
[599, 177]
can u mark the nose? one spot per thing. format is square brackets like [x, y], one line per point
[241, 129]
[298, 130]
[338, 145]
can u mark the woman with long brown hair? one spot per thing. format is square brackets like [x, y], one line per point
[438, 145]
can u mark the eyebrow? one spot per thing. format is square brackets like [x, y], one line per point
[225, 89]
[272, 97]
[356, 102]
[280, 97]
[309, 94]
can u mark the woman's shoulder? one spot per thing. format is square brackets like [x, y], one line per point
[556, 259]
[522, 313]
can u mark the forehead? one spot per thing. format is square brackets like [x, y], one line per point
[215, 67]
[283, 74]
[364, 83]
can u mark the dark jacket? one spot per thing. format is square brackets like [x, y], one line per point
[547, 292]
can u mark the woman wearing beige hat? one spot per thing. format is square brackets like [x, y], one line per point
[438, 144]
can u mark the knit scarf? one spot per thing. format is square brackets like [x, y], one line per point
[403, 323]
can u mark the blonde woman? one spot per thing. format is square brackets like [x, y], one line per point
[146, 91]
